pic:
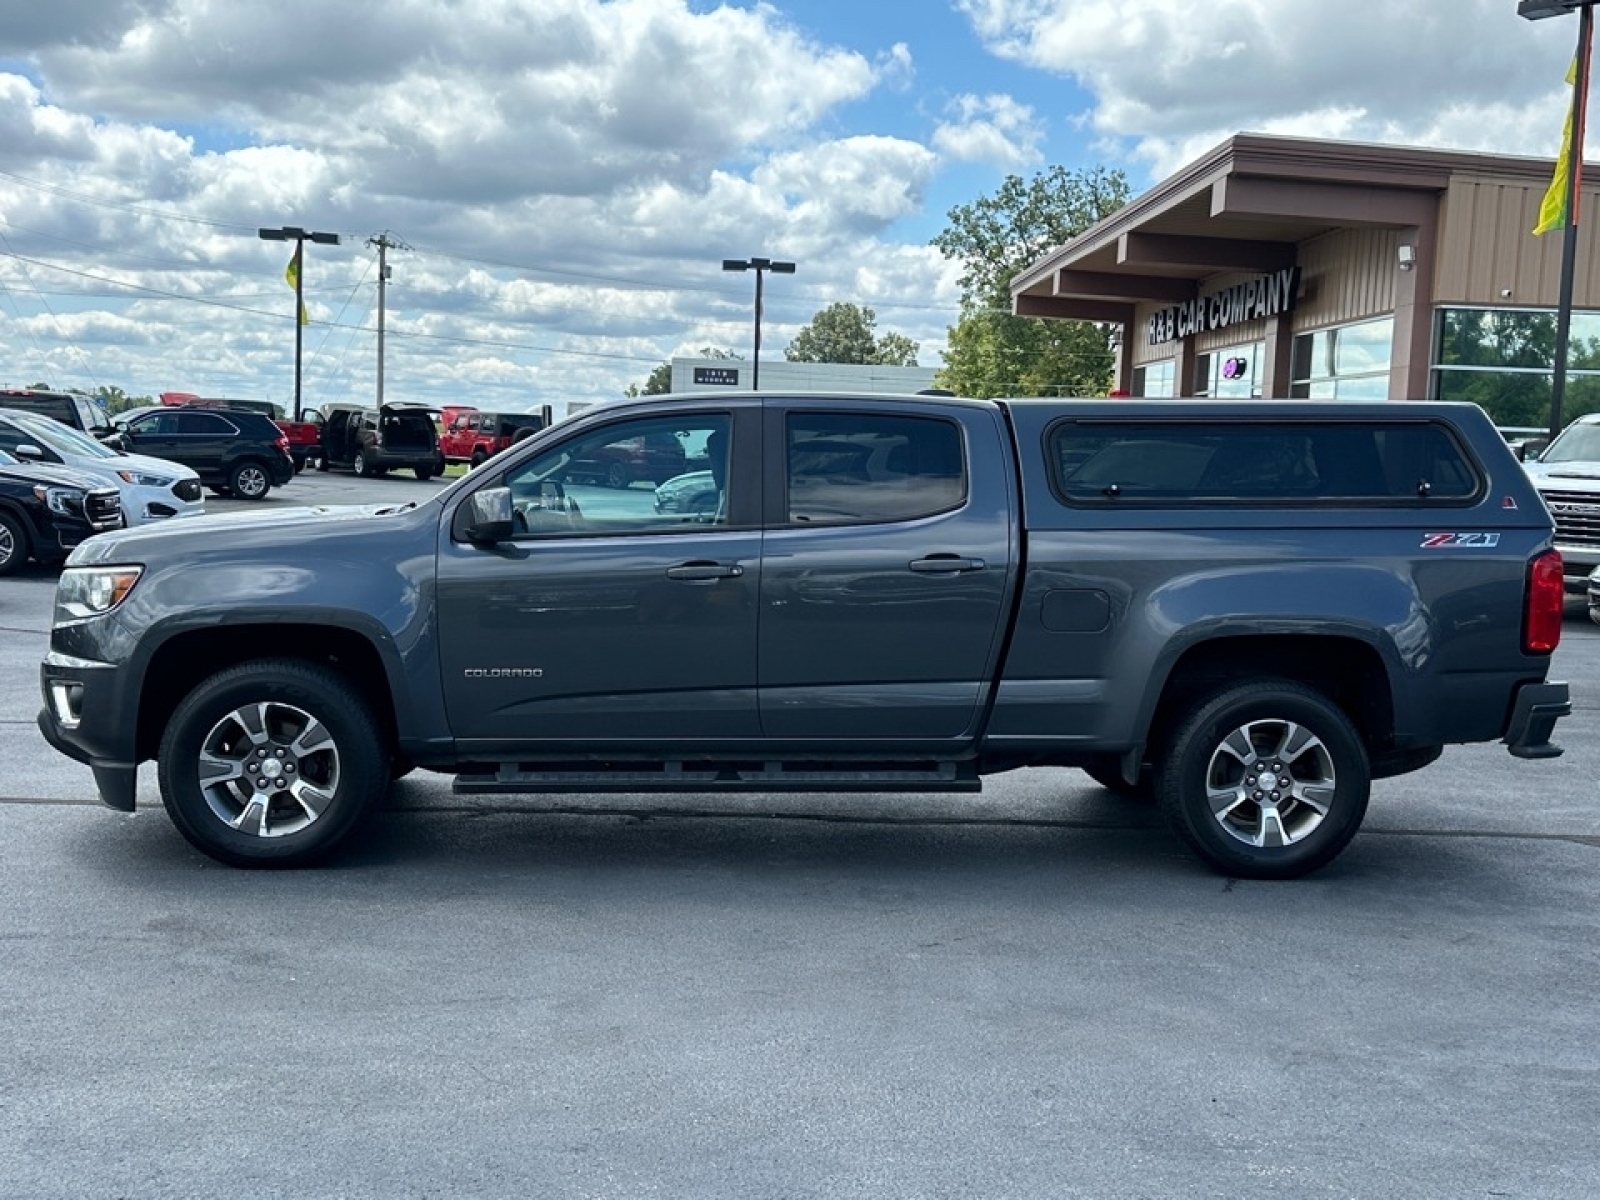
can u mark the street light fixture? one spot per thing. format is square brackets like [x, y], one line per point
[759, 266]
[293, 233]
[1538, 10]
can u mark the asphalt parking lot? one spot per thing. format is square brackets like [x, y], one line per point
[1033, 992]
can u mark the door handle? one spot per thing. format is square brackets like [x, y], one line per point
[945, 564]
[705, 570]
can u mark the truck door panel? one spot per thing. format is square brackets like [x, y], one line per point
[886, 570]
[605, 621]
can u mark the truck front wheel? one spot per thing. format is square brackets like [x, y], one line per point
[1265, 780]
[271, 763]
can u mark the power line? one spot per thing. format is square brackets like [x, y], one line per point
[530, 268]
[137, 210]
[258, 312]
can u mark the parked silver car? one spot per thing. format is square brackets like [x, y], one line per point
[152, 489]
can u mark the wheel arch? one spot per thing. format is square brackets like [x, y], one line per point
[183, 660]
[1351, 672]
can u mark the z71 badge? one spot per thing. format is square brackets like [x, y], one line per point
[1434, 541]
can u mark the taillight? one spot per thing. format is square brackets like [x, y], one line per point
[1545, 600]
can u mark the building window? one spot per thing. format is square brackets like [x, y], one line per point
[1350, 362]
[1500, 360]
[1233, 373]
[1154, 379]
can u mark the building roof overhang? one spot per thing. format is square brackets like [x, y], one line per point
[1244, 206]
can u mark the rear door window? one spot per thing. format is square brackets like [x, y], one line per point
[205, 425]
[854, 468]
[1254, 463]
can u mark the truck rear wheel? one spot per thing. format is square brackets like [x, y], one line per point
[1265, 780]
[271, 763]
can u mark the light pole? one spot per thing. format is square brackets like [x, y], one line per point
[292, 233]
[758, 265]
[1538, 10]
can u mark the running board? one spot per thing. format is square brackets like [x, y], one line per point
[720, 777]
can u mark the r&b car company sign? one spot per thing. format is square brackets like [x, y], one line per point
[1264, 296]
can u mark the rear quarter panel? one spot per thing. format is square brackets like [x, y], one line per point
[1114, 597]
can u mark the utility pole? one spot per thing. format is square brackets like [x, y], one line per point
[384, 242]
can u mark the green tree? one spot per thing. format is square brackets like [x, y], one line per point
[659, 381]
[844, 333]
[116, 400]
[991, 352]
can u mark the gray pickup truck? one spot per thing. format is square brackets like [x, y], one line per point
[1247, 611]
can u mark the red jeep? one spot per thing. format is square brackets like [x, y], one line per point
[472, 436]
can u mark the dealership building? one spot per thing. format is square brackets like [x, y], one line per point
[1277, 266]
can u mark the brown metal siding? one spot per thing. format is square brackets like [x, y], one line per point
[1346, 276]
[1486, 246]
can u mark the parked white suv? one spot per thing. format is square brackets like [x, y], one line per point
[152, 489]
[1567, 475]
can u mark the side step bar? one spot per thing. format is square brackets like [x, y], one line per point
[722, 777]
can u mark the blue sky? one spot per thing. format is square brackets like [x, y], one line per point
[569, 173]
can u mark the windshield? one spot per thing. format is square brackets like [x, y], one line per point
[1580, 443]
[64, 439]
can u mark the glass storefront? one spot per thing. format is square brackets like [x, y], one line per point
[1233, 373]
[1349, 362]
[1154, 379]
[1500, 360]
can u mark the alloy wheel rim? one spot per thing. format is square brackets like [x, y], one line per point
[268, 769]
[1270, 783]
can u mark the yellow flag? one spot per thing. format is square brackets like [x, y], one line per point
[292, 274]
[1553, 208]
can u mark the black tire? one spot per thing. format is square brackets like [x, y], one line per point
[348, 768]
[249, 480]
[361, 466]
[323, 464]
[1108, 774]
[1233, 740]
[617, 476]
[478, 457]
[424, 473]
[14, 545]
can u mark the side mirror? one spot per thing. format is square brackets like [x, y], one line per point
[489, 515]
[30, 452]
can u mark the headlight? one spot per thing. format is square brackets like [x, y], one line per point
[154, 481]
[88, 592]
[66, 501]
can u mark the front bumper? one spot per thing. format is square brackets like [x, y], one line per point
[1534, 712]
[86, 717]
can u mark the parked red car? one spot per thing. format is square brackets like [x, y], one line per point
[472, 436]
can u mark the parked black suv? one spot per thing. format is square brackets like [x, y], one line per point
[70, 408]
[371, 441]
[239, 453]
[46, 511]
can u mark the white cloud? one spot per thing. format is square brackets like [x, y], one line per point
[996, 130]
[1174, 81]
[570, 172]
